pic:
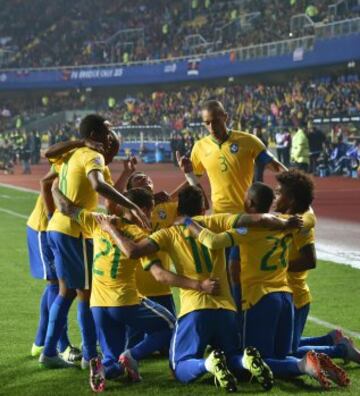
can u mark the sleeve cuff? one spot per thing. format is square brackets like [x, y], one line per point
[264, 157]
[147, 266]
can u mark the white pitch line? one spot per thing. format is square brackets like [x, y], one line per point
[30, 190]
[16, 214]
[333, 326]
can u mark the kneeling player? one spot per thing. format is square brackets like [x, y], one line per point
[115, 302]
[203, 319]
[267, 298]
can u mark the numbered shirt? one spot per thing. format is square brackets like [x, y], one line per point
[195, 261]
[75, 185]
[297, 280]
[229, 166]
[163, 215]
[38, 219]
[113, 283]
[264, 260]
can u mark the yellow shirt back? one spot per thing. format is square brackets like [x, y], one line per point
[38, 219]
[195, 261]
[229, 166]
[264, 260]
[113, 283]
[163, 215]
[75, 185]
[297, 280]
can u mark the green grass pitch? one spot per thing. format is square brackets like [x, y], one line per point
[335, 290]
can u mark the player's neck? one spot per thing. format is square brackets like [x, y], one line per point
[222, 137]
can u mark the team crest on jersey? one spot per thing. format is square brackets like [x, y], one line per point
[98, 161]
[162, 214]
[242, 230]
[234, 148]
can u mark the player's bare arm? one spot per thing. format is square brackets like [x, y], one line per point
[128, 247]
[209, 286]
[186, 167]
[107, 191]
[62, 203]
[45, 190]
[61, 148]
[306, 261]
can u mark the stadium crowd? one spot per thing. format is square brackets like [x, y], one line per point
[68, 33]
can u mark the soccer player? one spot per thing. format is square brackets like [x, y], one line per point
[202, 319]
[228, 157]
[42, 267]
[81, 178]
[115, 301]
[267, 297]
[294, 194]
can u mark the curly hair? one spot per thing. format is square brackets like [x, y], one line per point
[299, 186]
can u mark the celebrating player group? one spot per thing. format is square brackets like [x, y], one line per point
[241, 271]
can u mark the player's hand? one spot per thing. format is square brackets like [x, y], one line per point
[210, 286]
[184, 163]
[180, 220]
[105, 222]
[91, 144]
[294, 222]
[130, 164]
[141, 218]
[161, 197]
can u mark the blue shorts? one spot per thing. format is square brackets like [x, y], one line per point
[198, 329]
[268, 325]
[300, 317]
[73, 259]
[135, 336]
[111, 324]
[42, 265]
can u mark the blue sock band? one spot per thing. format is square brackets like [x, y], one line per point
[44, 318]
[87, 328]
[57, 319]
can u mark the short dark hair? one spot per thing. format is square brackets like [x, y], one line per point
[141, 197]
[92, 123]
[262, 196]
[190, 201]
[299, 186]
[131, 178]
[213, 105]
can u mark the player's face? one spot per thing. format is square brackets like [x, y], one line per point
[282, 202]
[113, 147]
[215, 123]
[142, 181]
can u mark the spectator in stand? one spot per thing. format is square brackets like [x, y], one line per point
[283, 144]
[316, 145]
[300, 152]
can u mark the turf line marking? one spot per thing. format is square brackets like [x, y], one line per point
[333, 326]
[10, 212]
[30, 190]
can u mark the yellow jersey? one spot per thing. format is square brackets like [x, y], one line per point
[297, 280]
[75, 185]
[264, 256]
[229, 166]
[113, 282]
[38, 219]
[163, 215]
[193, 260]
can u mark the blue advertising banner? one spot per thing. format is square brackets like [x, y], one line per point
[325, 52]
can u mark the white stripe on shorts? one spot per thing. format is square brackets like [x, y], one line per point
[86, 269]
[159, 313]
[173, 347]
[41, 255]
